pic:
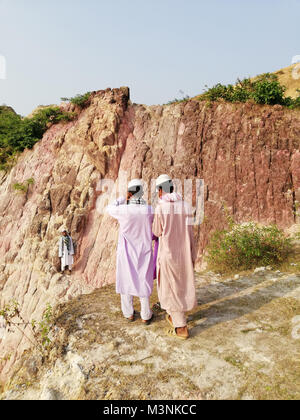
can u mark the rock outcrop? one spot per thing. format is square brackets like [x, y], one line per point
[247, 155]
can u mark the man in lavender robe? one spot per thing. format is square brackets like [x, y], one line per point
[135, 266]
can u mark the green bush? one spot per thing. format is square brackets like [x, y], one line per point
[18, 134]
[247, 246]
[267, 90]
[219, 91]
[264, 90]
[80, 100]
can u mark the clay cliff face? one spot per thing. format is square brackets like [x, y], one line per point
[247, 155]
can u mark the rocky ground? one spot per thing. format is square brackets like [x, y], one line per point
[245, 344]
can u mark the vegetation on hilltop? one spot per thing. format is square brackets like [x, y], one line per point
[79, 100]
[264, 90]
[18, 134]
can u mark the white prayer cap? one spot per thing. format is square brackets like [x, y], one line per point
[162, 179]
[135, 183]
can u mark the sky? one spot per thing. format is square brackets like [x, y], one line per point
[161, 49]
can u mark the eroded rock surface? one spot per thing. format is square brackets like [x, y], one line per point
[247, 155]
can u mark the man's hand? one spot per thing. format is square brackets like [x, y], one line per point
[129, 195]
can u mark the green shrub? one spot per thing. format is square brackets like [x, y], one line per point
[18, 134]
[219, 91]
[264, 90]
[247, 246]
[268, 91]
[242, 91]
[80, 100]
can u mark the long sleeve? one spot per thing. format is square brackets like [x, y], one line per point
[193, 245]
[157, 227]
[113, 209]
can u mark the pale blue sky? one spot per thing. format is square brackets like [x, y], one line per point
[56, 48]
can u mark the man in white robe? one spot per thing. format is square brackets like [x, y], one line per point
[66, 251]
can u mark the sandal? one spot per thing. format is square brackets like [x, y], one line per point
[173, 333]
[132, 318]
[168, 319]
[149, 320]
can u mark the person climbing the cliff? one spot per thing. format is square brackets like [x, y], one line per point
[135, 266]
[66, 251]
[176, 257]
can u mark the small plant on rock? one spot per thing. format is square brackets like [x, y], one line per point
[23, 188]
[38, 334]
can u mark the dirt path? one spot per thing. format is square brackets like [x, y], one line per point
[245, 344]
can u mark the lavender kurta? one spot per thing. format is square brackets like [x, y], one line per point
[176, 255]
[134, 255]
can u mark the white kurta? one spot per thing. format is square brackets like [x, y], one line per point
[66, 255]
[135, 254]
